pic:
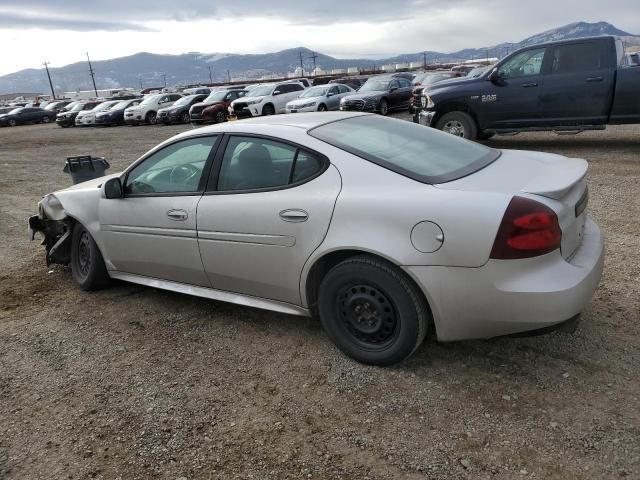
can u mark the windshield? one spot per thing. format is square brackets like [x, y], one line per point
[77, 107]
[121, 105]
[424, 154]
[52, 106]
[476, 72]
[216, 96]
[261, 91]
[314, 92]
[375, 86]
[70, 106]
[103, 106]
[15, 110]
[149, 99]
[184, 101]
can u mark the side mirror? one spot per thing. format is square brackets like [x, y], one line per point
[276, 92]
[330, 94]
[113, 188]
[393, 89]
[495, 77]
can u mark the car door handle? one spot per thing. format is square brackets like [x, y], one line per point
[595, 79]
[294, 215]
[528, 85]
[177, 215]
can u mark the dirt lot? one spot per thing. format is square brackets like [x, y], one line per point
[133, 382]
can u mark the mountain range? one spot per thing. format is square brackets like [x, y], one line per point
[149, 69]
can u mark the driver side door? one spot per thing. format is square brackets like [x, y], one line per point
[151, 231]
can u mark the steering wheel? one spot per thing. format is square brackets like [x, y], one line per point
[181, 174]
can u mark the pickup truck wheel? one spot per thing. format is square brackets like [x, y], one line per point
[151, 118]
[383, 107]
[460, 124]
[372, 311]
[87, 264]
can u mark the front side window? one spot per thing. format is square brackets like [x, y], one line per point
[578, 57]
[424, 154]
[256, 163]
[523, 64]
[176, 168]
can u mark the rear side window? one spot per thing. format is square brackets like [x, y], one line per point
[579, 57]
[251, 163]
[424, 154]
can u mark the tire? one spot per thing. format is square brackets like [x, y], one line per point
[268, 110]
[87, 264]
[322, 107]
[12, 122]
[220, 117]
[185, 118]
[372, 311]
[150, 118]
[460, 124]
[46, 119]
[383, 107]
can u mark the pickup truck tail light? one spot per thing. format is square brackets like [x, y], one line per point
[528, 229]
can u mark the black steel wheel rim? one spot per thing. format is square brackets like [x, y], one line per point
[368, 315]
[84, 254]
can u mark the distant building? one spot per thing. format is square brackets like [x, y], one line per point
[389, 68]
[353, 70]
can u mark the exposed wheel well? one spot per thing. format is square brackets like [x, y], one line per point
[325, 263]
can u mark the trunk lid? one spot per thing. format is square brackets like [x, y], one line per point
[558, 181]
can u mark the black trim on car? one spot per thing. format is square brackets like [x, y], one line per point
[214, 176]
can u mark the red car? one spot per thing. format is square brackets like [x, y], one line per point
[214, 108]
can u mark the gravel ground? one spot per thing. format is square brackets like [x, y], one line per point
[132, 382]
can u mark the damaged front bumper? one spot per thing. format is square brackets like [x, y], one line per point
[56, 228]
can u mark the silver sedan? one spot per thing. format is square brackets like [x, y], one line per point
[386, 230]
[319, 99]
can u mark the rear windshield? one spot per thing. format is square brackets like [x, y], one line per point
[418, 152]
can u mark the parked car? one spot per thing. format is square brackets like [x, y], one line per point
[320, 99]
[23, 115]
[67, 117]
[568, 86]
[215, 107]
[633, 58]
[267, 99]
[179, 111]
[197, 91]
[4, 110]
[57, 106]
[353, 82]
[87, 118]
[380, 94]
[294, 221]
[146, 111]
[115, 115]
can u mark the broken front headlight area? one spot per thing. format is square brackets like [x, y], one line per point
[56, 228]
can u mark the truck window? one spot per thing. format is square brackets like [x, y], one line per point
[523, 64]
[578, 57]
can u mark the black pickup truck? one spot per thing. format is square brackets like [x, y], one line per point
[567, 86]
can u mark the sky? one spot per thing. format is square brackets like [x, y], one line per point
[61, 31]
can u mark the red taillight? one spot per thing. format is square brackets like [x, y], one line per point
[528, 229]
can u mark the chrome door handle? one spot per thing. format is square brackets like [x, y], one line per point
[177, 215]
[294, 215]
[595, 79]
[527, 85]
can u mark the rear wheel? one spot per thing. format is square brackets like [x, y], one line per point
[46, 119]
[150, 118]
[185, 117]
[12, 122]
[220, 117]
[460, 124]
[87, 264]
[372, 311]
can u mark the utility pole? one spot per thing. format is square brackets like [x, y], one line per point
[164, 77]
[228, 76]
[210, 75]
[487, 55]
[93, 78]
[314, 56]
[46, 66]
[301, 67]
[424, 60]
[140, 78]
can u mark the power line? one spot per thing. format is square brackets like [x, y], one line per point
[46, 66]
[93, 78]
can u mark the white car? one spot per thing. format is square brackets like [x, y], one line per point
[320, 98]
[87, 118]
[267, 99]
[387, 230]
[147, 110]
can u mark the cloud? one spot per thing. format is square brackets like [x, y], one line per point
[9, 20]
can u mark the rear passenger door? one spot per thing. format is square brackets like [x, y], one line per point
[579, 86]
[267, 208]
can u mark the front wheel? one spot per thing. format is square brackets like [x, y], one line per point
[12, 123]
[322, 107]
[220, 117]
[87, 264]
[268, 110]
[460, 124]
[151, 118]
[185, 117]
[46, 119]
[383, 107]
[372, 311]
